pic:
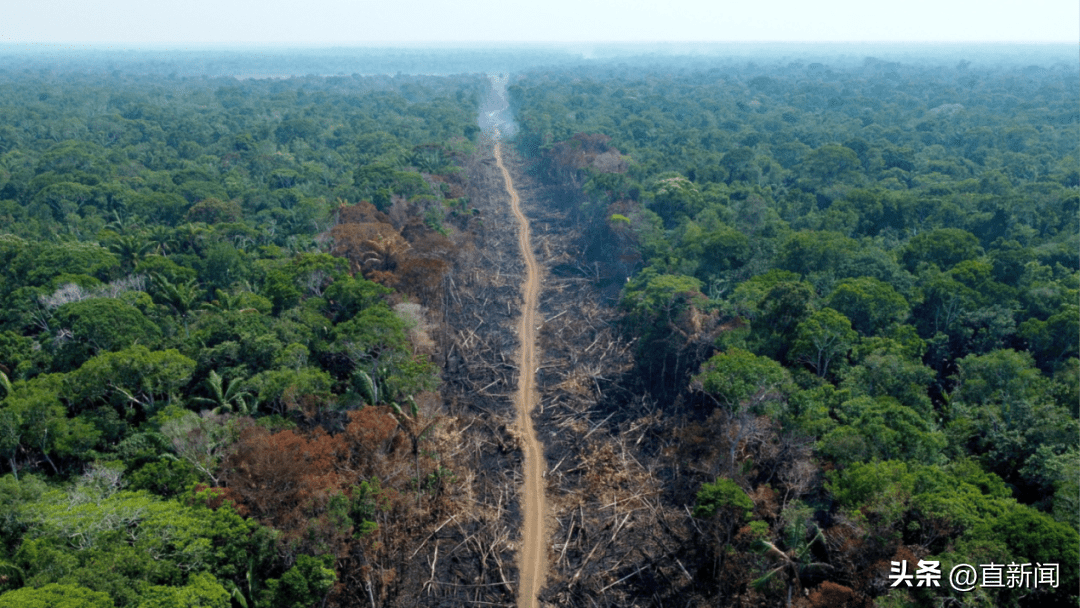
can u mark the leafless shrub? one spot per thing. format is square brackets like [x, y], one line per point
[420, 328]
[70, 292]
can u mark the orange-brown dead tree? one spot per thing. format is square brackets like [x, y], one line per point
[373, 249]
[361, 213]
[288, 480]
[284, 478]
[414, 260]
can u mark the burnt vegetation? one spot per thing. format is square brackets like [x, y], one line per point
[798, 322]
[771, 385]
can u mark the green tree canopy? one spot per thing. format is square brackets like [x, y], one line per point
[202, 591]
[723, 497]
[55, 595]
[944, 247]
[881, 429]
[133, 378]
[824, 338]
[872, 305]
[100, 325]
[736, 377]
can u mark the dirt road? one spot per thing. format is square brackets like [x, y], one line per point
[532, 560]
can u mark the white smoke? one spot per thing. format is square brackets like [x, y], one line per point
[495, 114]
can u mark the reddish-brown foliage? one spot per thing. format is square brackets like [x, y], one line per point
[215, 498]
[423, 277]
[831, 595]
[283, 478]
[414, 229]
[287, 479]
[454, 180]
[370, 247]
[581, 151]
[432, 245]
[376, 447]
[361, 213]
[766, 503]
[412, 260]
[403, 212]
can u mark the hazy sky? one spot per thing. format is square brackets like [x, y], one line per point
[324, 22]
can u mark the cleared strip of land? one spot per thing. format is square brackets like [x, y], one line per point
[532, 559]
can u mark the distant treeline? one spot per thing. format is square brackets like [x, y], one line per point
[271, 61]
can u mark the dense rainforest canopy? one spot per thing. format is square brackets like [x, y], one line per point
[182, 301]
[882, 257]
[217, 299]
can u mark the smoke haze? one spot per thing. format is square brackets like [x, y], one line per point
[495, 111]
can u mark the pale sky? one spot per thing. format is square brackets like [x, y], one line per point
[359, 22]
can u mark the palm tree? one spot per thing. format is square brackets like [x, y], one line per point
[122, 221]
[130, 248]
[162, 239]
[190, 236]
[428, 159]
[796, 562]
[226, 397]
[181, 297]
[224, 301]
[416, 428]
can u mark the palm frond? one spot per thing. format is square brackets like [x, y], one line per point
[5, 382]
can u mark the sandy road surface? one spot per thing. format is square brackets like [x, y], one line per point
[532, 560]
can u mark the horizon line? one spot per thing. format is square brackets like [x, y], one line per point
[509, 43]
